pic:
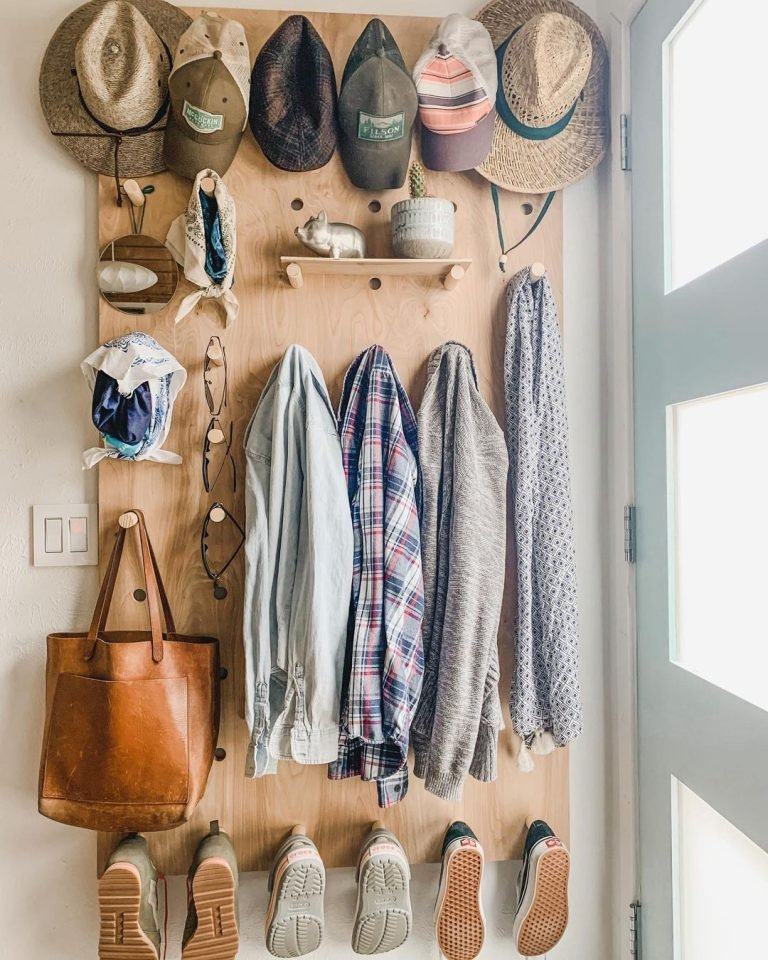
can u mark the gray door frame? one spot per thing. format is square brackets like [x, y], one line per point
[709, 739]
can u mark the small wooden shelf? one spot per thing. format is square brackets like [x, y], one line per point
[450, 271]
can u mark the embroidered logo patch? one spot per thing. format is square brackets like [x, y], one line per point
[467, 842]
[202, 121]
[380, 129]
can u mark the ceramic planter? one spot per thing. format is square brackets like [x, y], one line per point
[422, 229]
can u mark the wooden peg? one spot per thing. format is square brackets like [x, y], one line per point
[378, 825]
[299, 830]
[208, 186]
[214, 828]
[218, 514]
[128, 520]
[452, 278]
[536, 271]
[295, 278]
[215, 435]
[215, 354]
[134, 193]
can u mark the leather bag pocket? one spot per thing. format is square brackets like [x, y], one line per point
[118, 741]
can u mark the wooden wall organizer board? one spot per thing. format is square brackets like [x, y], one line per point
[335, 318]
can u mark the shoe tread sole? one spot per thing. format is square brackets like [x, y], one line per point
[216, 936]
[460, 926]
[383, 921]
[547, 918]
[295, 916]
[121, 936]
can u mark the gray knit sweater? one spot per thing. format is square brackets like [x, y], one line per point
[464, 474]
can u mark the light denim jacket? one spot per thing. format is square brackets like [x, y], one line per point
[298, 570]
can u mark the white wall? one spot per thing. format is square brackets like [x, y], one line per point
[49, 313]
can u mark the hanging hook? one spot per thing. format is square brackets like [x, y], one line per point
[138, 198]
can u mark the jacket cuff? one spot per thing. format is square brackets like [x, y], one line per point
[483, 766]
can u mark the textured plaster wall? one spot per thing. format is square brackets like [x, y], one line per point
[48, 313]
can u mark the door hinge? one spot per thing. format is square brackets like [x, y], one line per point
[630, 533]
[626, 159]
[634, 930]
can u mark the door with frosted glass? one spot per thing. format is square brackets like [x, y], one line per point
[700, 214]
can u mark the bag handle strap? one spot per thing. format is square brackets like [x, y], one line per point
[105, 593]
[156, 595]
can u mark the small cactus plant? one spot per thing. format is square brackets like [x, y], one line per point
[422, 226]
[417, 181]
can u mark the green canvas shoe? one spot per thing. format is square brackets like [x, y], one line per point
[212, 928]
[459, 918]
[542, 902]
[128, 927]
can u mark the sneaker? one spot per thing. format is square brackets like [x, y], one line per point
[542, 902]
[211, 930]
[296, 884]
[459, 918]
[383, 918]
[128, 927]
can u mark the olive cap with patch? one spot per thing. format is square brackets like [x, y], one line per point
[378, 104]
[209, 88]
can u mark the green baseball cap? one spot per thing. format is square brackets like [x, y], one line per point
[378, 104]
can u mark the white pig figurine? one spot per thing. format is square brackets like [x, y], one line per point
[333, 240]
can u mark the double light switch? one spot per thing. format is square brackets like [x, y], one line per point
[65, 535]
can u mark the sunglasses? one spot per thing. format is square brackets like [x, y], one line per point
[217, 448]
[216, 393]
[216, 514]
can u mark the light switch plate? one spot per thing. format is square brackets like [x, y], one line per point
[65, 535]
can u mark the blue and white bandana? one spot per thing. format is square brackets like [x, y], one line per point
[133, 360]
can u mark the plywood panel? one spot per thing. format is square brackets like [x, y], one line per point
[335, 318]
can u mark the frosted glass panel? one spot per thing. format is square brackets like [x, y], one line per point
[722, 885]
[717, 137]
[719, 538]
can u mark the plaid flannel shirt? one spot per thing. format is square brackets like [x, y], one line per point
[385, 657]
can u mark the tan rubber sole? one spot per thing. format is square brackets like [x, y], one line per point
[383, 918]
[295, 917]
[213, 892]
[547, 918]
[120, 934]
[459, 925]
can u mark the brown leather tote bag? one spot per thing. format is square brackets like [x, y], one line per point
[132, 717]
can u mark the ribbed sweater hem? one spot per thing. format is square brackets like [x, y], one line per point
[483, 766]
[442, 783]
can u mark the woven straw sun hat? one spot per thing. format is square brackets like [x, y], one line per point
[552, 111]
[104, 83]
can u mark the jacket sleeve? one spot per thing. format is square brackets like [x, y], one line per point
[324, 577]
[257, 591]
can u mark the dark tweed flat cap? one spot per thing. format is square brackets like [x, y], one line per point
[293, 98]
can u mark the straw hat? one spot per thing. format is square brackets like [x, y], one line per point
[552, 112]
[104, 83]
